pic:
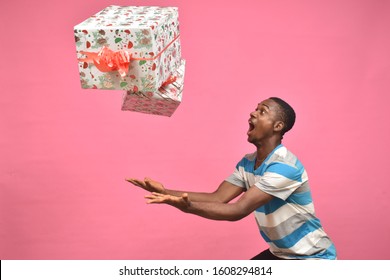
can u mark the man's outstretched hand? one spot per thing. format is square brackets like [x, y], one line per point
[148, 185]
[158, 194]
[180, 202]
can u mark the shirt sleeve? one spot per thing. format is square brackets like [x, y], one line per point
[236, 178]
[280, 180]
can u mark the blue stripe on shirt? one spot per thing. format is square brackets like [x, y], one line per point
[291, 172]
[296, 198]
[302, 198]
[247, 164]
[271, 206]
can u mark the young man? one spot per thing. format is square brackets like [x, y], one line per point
[274, 185]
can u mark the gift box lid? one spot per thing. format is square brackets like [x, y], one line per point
[129, 16]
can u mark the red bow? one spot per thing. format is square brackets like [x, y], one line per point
[107, 60]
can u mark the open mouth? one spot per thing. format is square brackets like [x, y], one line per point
[251, 126]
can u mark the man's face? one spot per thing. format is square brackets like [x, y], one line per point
[262, 121]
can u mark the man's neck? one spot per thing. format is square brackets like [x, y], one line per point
[264, 149]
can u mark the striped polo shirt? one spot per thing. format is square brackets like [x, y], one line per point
[288, 222]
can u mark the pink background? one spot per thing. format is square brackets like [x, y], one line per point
[64, 151]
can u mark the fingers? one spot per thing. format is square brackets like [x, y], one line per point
[132, 180]
[154, 195]
[156, 198]
[136, 182]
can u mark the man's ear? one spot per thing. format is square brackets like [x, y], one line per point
[278, 126]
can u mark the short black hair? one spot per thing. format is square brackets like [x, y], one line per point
[287, 114]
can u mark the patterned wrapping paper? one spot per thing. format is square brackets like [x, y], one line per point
[149, 34]
[163, 102]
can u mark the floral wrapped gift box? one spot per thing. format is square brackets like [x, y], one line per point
[163, 102]
[128, 48]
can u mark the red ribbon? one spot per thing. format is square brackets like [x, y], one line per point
[107, 60]
[170, 80]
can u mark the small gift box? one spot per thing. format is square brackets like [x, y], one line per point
[128, 48]
[162, 102]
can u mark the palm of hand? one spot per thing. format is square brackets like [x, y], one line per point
[148, 185]
[181, 202]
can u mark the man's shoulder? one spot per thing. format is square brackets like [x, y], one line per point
[285, 163]
[250, 157]
[247, 159]
[283, 155]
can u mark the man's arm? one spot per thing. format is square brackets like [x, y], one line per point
[223, 194]
[247, 203]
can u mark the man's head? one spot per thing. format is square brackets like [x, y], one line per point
[286, 114]
[272, 118]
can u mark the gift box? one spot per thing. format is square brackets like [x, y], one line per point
[128, 48]
[162, 102]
